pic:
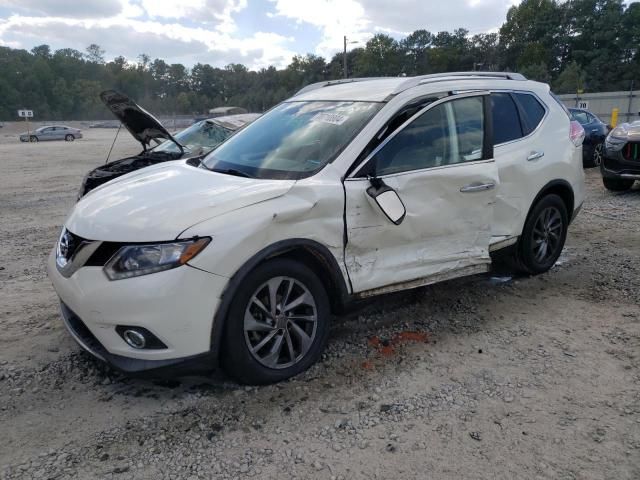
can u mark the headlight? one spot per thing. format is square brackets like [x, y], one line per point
[136, 260]
[616, 139]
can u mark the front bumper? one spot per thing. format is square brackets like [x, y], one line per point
[614, 165]
[82, 335]
[177, 306]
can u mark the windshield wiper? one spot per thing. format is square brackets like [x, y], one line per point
[232, 171]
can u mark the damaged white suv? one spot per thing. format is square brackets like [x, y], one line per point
[348, 189]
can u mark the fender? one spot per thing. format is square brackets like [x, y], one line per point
[561, 188]
[339, 294]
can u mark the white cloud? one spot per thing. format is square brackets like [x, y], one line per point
[334, 18]
[201, 11]
[130, 37]
[361, 19]
[67, 8]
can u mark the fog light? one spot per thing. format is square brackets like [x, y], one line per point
[134, 338]
[139, 337]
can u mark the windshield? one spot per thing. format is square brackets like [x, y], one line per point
[199, 138]
[294, 140]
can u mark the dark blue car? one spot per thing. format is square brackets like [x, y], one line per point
[595, 131]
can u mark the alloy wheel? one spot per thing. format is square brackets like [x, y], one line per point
[280, 322]
[547, 234]
[597, 155]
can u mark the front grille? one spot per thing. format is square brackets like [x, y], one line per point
[103, 254]
[68, 243]
[631, 151]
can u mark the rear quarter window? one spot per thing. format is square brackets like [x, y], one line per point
[533, 111]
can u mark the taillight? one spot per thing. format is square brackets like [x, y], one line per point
[576, 133]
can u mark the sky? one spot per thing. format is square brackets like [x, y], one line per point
[256, 33]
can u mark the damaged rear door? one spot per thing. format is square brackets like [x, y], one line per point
[440, 165]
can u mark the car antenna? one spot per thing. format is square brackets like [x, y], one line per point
[114, 142]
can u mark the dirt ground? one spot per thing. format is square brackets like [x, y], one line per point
[480, 378]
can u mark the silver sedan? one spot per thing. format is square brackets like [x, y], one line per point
[52, 132]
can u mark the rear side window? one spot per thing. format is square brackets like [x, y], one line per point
[581, 117]
[506, 120]
[533, 111]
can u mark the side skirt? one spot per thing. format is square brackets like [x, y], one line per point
[420, 282]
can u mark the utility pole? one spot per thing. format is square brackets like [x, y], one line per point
[629, 114]
[344, 58]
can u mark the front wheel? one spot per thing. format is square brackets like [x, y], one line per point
[277, 325]
[617, 184]
[543, 236]
[33, 139]
[69, 138]
[596, 156]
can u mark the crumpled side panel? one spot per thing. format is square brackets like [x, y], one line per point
[444, 230]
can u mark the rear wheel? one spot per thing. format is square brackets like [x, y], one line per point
[278, 323]
[617, 184]
[69, 138]
[543, 236]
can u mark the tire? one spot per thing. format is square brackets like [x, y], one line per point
[33, 139]
[270, 332]
[595, 159]
[543, 236]
[69, 138]
[617, 184]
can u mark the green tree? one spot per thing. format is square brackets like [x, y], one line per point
[571, 80]
[533, 33]
[95, 54]
[536, 71]
[381, 57]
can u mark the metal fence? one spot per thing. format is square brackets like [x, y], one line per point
[628, 104]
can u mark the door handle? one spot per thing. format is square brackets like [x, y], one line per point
[535, 155]
[477, 187]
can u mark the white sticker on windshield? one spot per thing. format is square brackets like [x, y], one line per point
[332, 118]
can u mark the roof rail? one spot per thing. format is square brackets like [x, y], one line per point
[328, 83]
[422, 79]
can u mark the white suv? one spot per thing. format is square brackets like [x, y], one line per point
[348, 189]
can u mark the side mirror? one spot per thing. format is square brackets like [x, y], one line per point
[387, 200]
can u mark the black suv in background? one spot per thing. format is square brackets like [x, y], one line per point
[595, 131]
[621, 161]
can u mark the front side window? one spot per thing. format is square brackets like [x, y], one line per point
[447, 134]
[294, 140]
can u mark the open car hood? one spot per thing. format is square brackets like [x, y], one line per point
[141, 124]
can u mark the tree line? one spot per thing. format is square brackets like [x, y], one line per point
[590, 45]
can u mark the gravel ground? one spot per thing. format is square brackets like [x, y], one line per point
[480, 378]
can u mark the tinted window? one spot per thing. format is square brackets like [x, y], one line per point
[506, 121]
[533, 110]
[449, 133]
